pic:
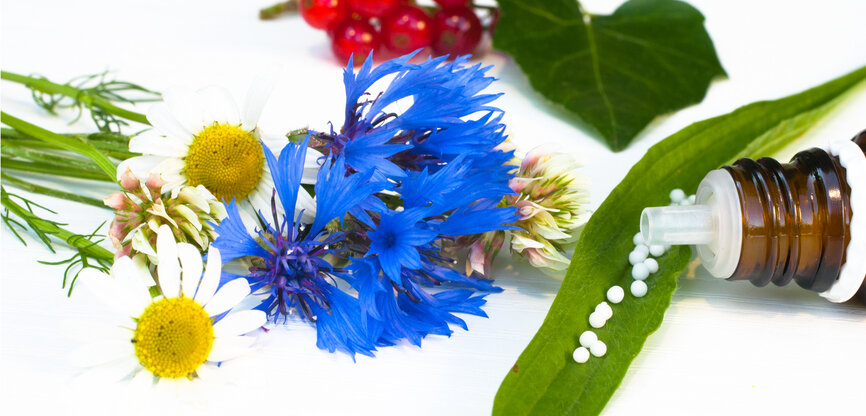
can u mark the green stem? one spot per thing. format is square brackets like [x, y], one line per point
[51, 169]
[67, 143]
[89, 100]
[44, 190]
[76, 241]
[275, 10]
[111, 149]
[47, 156]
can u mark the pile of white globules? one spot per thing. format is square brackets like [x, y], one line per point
[643, 264]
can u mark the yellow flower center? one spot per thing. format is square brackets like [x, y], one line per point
[227, 160]
[173, 337]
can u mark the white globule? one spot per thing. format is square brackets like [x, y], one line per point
[587, 338]
[637, 239]
[642, 248]
[692, 199]
[596, 320]
[615, 294]
[580, 355]
[638, 289]
[640, 271]
[604, 309]
[677, 195]
[598, 349]
[637, 256]
[656, 250]
[652, 265]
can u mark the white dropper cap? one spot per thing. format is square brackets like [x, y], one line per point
[713, 224]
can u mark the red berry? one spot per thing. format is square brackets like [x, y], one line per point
[354, 37]
[322, 14]
[407, 28]
[458, 31]
[373, 8]
[451, 3]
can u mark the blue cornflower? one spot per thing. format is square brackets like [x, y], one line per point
[405, 257]
[435, 128]
[288, 257]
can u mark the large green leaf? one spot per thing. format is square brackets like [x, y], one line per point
[617, 72]
[545, 380]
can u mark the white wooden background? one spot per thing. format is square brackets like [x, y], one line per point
[723, 347]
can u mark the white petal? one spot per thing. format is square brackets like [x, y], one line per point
[173, 183]
[311, 166]
[161, 118]
[108, 291]
[306, 203]
[142, 271]
[190, 261]
[89, 331]
[168, 167]
[186, 107]
[129, 282]
[211, 278]
[228, 296]
[151, 143]
[219, 106]
[141, 383]
[193, 196]
[140, 166]
[190, 215]
[276, 144]
[168, 268]
[238, 323]
[257, 96]
[226, 348]
[206, 371]
[109, 372]
[102, 352]
[140, 242]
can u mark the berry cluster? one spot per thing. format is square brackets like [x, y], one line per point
[357, 27]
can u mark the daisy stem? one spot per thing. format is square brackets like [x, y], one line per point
[275, 10]
[44, 227]
[44, 190]
[82, 148]
[80, 95]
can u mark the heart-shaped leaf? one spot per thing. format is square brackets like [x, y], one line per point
[617, 72]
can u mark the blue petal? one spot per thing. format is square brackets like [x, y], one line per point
[337, 193]
[233, 240]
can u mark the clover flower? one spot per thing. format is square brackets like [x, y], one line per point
[550, 200]
[142, 208]
[549, 195]
[183, 334]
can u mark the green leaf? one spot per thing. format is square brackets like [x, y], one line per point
[81, 147]
[617, 72]
[545, 380]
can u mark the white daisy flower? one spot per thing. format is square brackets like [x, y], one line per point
[200, 138]
[172, 338]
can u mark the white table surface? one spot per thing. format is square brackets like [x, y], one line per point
[723, 347]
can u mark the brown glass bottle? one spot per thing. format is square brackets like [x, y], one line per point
[795, 219]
